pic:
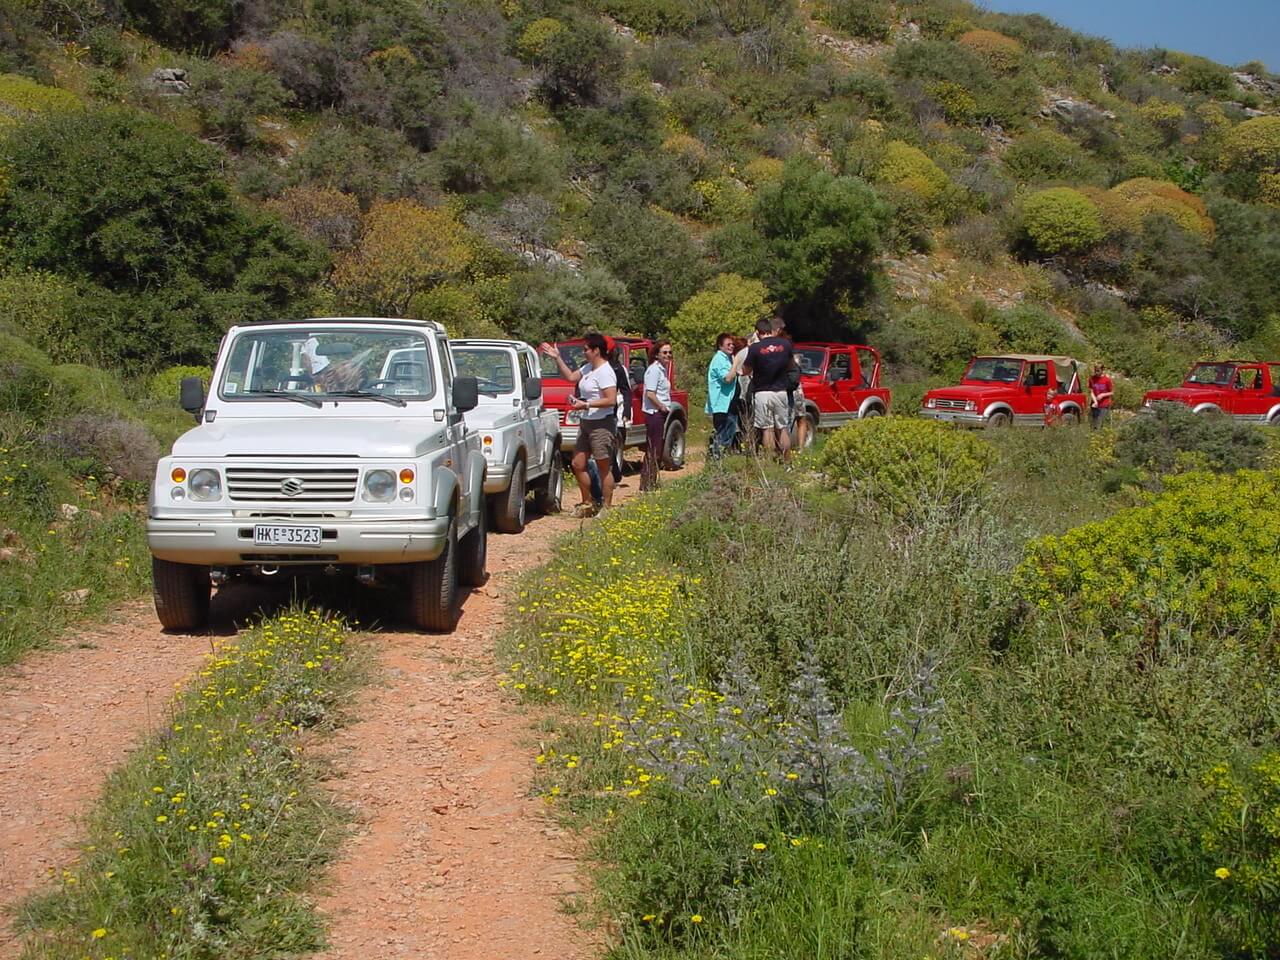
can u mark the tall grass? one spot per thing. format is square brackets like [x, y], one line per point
[1061, 811]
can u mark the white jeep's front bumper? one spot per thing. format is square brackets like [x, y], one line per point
[228, 541]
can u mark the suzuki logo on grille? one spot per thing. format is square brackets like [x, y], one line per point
[292, 486]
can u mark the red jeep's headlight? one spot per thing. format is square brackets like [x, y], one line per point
[930, 403]
[971, 405]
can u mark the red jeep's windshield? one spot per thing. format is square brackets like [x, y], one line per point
[1211, 374]
[994, 370]
[575, 355]
[811, 361]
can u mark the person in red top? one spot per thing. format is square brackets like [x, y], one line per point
[1100, 389]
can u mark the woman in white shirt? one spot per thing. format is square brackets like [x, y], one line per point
[656, 406]
[597, 428]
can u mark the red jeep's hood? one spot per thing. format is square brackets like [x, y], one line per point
[968, 391]
[1187, 395]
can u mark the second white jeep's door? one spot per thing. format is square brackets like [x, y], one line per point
[527, 361]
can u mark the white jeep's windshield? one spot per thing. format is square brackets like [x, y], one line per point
[1214, 374]
[309, 364]
[574, 354]
[492, 367]
[994, 370]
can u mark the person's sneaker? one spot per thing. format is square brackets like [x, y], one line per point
[584, 511]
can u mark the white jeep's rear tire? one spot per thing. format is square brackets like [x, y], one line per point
[509, 506]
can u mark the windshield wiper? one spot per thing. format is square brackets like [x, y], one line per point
[371, 395]
[306, 398]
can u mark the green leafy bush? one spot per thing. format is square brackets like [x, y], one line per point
[727, 303]
[163, 387]
[580, 63]
[813, 236]
[21, 97]
[909, 467]
[230, 99]
[910, 168]
[1045, 156]
[1061, 220]
[935, 340]
[1199, 557]
[1170, 438]
[183, 23]
[139, 212]
[864, 19]
[496, 156]
[44, 308]
[1253, 145]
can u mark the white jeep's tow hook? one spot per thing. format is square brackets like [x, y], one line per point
[268, 571]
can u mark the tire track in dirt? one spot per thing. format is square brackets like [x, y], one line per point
[453, 859]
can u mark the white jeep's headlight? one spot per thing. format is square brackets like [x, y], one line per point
[380, 486]
[205, 484]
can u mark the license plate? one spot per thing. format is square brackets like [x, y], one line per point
[272, 536]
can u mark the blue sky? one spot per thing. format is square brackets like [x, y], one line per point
[1229, 31]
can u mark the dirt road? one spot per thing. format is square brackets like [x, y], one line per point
[451, 860]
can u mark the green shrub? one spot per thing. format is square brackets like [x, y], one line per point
[230, 100]
[727, 303]
[1253, 145]
[814, 236]
[1170, 439]
[495, 155]
[164, 386]
[1198, 558]
[1026, 328]
[937, 341]
[909, 467]
[535, 37]
[864, 19]
[139, 212]
[44, 308]
[652, 16]
[184, 24]
[580, 63]
[1061, 220]
[21, 97]
[1207, 78]
[910, 168]
[999, 51]
[1045, 156]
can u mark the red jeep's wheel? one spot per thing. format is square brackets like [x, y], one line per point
[673, 445]
[999, 420]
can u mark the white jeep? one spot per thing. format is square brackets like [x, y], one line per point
[311, 453]
[519, 437]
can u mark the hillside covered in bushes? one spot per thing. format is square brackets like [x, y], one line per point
[925, 176]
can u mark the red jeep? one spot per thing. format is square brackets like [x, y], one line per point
[841, 382]
[633, 354]
[1242, 389]
[1010, 389]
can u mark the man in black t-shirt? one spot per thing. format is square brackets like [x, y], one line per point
[768, 362]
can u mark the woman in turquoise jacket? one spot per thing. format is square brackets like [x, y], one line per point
[722, 383]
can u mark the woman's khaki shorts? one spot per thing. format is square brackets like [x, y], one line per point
[596, 438]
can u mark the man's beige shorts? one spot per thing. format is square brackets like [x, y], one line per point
[597, 437]
[771, 410]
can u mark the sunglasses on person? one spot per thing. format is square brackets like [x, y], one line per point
[664, 353]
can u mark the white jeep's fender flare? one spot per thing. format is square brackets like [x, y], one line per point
[445, 484]
[475, 472]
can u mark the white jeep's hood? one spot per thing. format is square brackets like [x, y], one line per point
[379, 438]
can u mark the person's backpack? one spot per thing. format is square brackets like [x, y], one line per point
[793, 377]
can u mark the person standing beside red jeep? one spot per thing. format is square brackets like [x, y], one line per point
[597, 433]
[1100, 390]
[656, 406]
[769, 362]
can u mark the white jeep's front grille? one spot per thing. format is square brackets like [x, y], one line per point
[292, 485]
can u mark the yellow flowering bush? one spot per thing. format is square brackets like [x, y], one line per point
[999, 51]
[907, 466]
[21, 97]
[1205, 553]
[910, 167]
[535, 37]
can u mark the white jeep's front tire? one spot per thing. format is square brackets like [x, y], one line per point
[181, 592]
